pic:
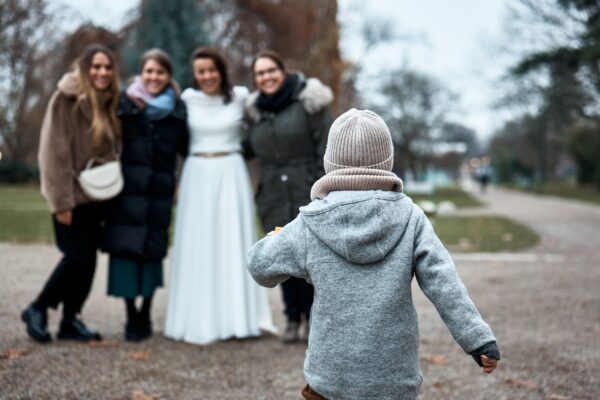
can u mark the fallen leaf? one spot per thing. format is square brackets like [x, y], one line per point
[555, 396]
[522, 383]
[140, 395]
[14, 353]
[99, 344]
[435, 359]
[139, 355]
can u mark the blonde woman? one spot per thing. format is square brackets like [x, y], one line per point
[80, 123]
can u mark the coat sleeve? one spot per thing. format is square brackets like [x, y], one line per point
[437, 277]
[277, 257]
[55, 155]
[319, 125]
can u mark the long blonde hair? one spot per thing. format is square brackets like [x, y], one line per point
[103, 106]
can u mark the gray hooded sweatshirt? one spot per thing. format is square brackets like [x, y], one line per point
[360, 250]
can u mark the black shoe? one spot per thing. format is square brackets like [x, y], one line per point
[37, 324]
[132, 329]
[145, 329]
[74, 329]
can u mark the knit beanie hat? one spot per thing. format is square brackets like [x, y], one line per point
[359, 139]
[359, 156]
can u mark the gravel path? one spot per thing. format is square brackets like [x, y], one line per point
[543, 304]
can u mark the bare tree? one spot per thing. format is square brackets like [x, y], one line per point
[24, 32]
[557, 74]
[414, 106]
[305, 33]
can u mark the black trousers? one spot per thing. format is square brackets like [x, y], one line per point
[71, 280]
[298, 298]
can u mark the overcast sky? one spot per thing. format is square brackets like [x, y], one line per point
[454, 41]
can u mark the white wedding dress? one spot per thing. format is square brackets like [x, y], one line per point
[211, 294]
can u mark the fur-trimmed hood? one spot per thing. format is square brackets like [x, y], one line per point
[314, 97]
[69, 84]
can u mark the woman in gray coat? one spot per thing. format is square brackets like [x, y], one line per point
[289, 121]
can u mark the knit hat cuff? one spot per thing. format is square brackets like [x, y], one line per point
[379, 164]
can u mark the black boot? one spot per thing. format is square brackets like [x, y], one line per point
[132, 326]
[74, 329]
[144, 319]
[37, 324]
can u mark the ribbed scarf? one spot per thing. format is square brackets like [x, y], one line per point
[155, 107]
[280, 99]
[355, 179]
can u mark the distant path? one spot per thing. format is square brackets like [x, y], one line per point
[568, 227]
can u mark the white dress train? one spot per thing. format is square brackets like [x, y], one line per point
[211, 295]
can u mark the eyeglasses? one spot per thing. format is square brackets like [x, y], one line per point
[270, 71]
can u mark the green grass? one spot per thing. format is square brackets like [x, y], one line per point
[484, 234]
[24, 215]
[588, 193]
[460, 198]
[25, 218]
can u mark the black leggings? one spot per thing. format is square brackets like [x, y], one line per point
[298, 298]
[71, 280]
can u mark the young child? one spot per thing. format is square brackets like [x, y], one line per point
[360, 242]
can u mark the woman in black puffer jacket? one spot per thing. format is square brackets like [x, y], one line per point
[154, 130]
[289, 121]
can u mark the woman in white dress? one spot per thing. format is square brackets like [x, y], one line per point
[212, 297]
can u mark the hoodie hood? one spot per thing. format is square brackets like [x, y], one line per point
[360, 226]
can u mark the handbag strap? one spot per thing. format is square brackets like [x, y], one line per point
[101, 160]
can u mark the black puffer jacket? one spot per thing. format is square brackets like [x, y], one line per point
[140, 217]
[289, 145]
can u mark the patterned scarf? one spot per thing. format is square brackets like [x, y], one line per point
[155, 107]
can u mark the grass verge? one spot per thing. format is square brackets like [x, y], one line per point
[484, 234]
[25, 218]
[460, 198]
[587, 193]
[24, 215]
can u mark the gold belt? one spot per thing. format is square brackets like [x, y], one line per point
[214, 154]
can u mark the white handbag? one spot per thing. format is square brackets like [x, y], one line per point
[102, 181]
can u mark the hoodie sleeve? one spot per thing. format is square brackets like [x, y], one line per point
[437, 277]
[55, 155]
[277, 257]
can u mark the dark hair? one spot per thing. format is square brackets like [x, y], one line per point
[273, 56]
[163, 59]
[217, 58]
[160, 56]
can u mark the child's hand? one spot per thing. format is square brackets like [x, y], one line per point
[487, 356]
[489, 364]
[275, 231]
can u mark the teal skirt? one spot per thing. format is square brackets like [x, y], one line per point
[130, 278]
